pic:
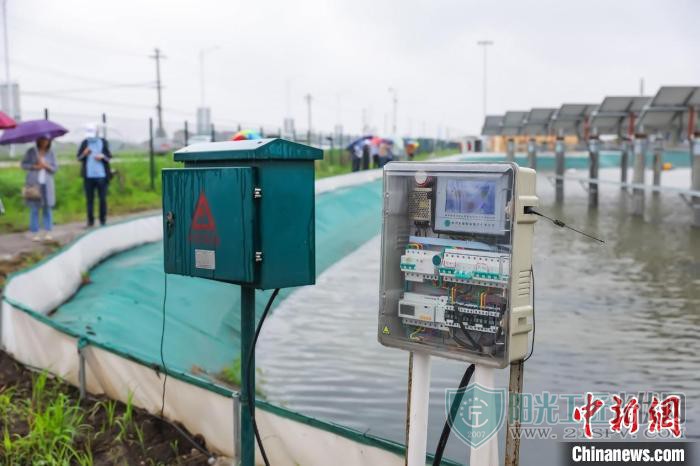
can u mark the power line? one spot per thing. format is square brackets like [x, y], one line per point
[147, 85]
[57, 72]
[55, 33]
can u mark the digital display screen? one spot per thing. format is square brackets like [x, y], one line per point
[470, 197]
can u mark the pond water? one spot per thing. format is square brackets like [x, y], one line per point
[619, 317]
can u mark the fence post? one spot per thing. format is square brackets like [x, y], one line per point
[510, 150]
[151, 154]
[559, 151]
[640, 149]
[593, 165]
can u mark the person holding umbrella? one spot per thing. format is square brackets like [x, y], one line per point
[94, 155]
[39, 191]
[40, 164]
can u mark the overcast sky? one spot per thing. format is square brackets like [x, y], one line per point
[346, 54]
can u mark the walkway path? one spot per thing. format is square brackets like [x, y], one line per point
[14, 244]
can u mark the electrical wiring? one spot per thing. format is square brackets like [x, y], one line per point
[165, 375]
[412, 336]
[532, 348]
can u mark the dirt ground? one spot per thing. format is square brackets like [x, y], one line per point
[108, 432]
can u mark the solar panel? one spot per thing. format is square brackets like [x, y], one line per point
[668, 109]
[611, 117]
[513, 123]
[538, 120]
[492, 125]
[569, 118]
[673, 96]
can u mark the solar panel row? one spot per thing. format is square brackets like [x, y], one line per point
[668, 110]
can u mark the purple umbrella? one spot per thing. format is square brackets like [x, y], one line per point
[30, 131]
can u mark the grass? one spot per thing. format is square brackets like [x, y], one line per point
[129, 191]
[231, 374]
[43, 423]
[52, 427]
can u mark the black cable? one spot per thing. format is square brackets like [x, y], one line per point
[165, 378]
[559, 223]
[532, 348]
[473, 342]
[251, 389]
[447, 428]
[162, 340]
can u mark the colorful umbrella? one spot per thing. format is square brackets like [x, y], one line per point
[357, 141]
[30, 131]
[246, 134]
[6, 122]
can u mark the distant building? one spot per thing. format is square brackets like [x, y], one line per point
[203, 120]
[11, 96]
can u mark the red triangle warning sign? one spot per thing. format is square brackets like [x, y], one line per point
[202, 218]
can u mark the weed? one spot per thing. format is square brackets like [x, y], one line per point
[110, 407]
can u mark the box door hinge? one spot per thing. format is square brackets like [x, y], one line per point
[257, 193]
[258, 256]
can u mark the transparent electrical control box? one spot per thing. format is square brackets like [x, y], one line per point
[456, 260]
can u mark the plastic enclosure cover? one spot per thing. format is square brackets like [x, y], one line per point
[447, 265]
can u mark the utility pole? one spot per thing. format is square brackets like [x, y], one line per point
[307, 97]
[484, 44]
[8, 88]
[160, 132]
[395, 101]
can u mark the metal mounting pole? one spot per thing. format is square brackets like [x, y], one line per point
[510, 150]
[640, 149]
[247, 378]
[559, 151]
[695, 152]
[532, 153]
[657, 164]
[515, 389]
[625, 160]
[594, 162]
[417, 421]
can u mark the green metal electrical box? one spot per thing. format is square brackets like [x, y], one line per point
[242, 212]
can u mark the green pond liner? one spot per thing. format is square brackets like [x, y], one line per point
[121, 310]
[122, 307]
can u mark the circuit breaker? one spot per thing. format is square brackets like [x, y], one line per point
[456, 260]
